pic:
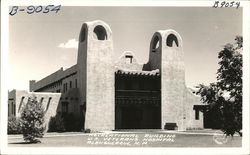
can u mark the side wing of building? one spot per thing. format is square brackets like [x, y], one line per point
[66, 83]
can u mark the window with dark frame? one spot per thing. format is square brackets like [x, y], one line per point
[65, 107]
[70, 84]
[197, 116]
[129, 58]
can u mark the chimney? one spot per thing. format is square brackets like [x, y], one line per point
[32, 84]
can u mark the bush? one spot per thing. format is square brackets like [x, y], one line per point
[32, 117]
[14, 125]
[56, 124]
[65, 122]
[71, 122]
[87, 131]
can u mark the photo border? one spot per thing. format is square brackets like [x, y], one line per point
[121, 150]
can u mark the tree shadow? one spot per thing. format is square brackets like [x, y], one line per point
[25, 143]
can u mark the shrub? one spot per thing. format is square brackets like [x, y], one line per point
[56, 124]
[87, 131]
[65, 122]
[71, 122]
[14, 125]
[32, 117]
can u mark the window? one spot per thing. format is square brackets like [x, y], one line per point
[197, 114]
[47, 107]
[129, 59]
[20, 105]
[41, 100]
[65, 87]
[75, 83]
[12, 106]
[100, 33]
[170, 39]
[65, 107]
[70, 84]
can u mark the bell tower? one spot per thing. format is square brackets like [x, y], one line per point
[96, 75]
[166, 54]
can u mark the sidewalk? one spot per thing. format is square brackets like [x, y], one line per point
[130, 138]
[208, 132]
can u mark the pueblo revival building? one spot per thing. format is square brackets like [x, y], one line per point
[123, 94]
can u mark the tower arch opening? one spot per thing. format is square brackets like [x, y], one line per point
[172, 39]
[100, 33]
[156, 43]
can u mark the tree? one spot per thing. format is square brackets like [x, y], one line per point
[32, 117]
[226, 93]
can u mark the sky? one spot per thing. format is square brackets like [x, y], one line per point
[40, 44]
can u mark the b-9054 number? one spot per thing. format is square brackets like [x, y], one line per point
[35, 9]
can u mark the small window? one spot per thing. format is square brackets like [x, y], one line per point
[12, 111]
[197, 116]
[65, 87]
[70, 84]
[129, 59]
[172, 39]
[65, 107]
[41, 100]
[20, 105]
[100, 33]
[47, 107]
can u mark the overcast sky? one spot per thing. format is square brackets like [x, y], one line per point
[40, 43]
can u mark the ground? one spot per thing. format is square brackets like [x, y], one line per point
[134, 138]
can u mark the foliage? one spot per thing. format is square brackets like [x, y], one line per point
[226, 93]
[71, 122]
[32, 117]
[56, 124]
[65, 122]
[87, 131]
[14, 125]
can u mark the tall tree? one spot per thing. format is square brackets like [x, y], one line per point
[226, 93]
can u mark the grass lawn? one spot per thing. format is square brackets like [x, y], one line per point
[127, 139]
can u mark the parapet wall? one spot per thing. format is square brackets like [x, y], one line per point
[50, 102]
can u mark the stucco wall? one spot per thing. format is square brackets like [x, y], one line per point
[50, 102]
[191, 122]
[123, 63]
[176, 100]
[99, 73]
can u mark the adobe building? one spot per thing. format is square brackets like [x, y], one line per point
[123, 94]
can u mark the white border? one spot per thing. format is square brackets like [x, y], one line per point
[158, 150]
